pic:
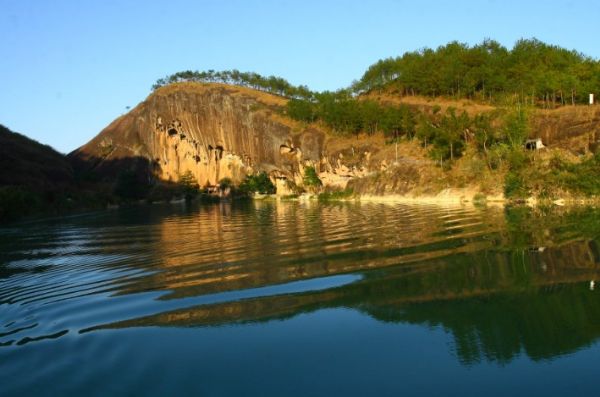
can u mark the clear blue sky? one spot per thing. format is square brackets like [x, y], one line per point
[68, 68]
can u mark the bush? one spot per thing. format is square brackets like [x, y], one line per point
[514, 185]
[311, 179]
[259, 183]
[582, 178]
[516, 158]
[301, 110]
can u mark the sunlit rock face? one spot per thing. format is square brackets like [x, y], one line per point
[218, 131]
[213, 131]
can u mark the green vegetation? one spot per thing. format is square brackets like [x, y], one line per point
[446, 134]
[272, 84]
[336, 195]
[311, 179]
[25, 162]
[497, 137]
[259, 183]
[554, 177]
[533, 72]
[36, 179]
[16, 202]
[344, 114]
[162, 192]
[583, 177]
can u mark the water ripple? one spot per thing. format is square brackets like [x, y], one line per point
[130, 262]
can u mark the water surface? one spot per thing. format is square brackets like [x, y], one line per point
[301, 299]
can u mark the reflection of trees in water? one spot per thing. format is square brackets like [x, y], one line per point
[526, 227]
[499, 306]
[512, 283]
[496, 305]
[501, 283]
[544, 323]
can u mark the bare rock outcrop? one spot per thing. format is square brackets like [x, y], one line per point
[218, 131]
[213, 131]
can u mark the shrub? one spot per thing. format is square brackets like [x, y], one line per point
[514, 185]
[516, 158]
[311, 179]
[259, 183]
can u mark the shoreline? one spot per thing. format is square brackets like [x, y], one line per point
[447, 198]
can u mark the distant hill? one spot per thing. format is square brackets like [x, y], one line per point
[34, 178]
[25, 162]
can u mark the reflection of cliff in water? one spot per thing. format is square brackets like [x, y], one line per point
[233, 248]
[496, 304]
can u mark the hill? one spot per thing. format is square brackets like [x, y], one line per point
[27, 163]
[33, 177]
[221, 132]
[386, 135]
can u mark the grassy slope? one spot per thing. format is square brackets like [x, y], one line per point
[565, 169]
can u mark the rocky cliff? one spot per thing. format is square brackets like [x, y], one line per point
[215, 131]
[219, 131]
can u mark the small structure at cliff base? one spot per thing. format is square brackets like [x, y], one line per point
[534, 144]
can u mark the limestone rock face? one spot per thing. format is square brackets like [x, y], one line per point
[214, 131]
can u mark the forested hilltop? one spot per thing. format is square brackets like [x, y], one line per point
[531, 72]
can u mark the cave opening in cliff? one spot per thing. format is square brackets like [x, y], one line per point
[172, 131]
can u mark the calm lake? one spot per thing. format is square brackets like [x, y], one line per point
[302, 299]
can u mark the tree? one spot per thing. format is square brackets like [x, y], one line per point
[188, 186]
[260, 183]
[302, 110]
[516, 128]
